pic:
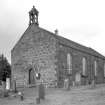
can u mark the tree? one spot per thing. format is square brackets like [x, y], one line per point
[5, 68]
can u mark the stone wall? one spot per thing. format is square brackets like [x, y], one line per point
[42, 51]
[77, 56]
[36, 49]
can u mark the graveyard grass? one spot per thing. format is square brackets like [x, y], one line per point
[54, 96]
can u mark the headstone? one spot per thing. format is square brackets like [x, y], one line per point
[78, 79]
[7, 83]
[41, 91]
[73, 83]
[66, 83]
[93, 84]
[38, 100]
[4, 91]
[3, 86]
[14, 86]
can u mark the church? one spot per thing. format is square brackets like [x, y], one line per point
[54, 57]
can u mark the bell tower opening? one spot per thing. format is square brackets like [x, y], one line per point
[33, 16]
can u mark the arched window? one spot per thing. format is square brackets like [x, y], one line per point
[84, 66]
[69, 63]
[104, 69]
[95, 68]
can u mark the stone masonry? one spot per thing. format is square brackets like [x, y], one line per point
[54, 57]
[46, 53]
[77, 65]
[35, 49]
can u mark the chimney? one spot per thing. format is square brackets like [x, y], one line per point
[56, 32]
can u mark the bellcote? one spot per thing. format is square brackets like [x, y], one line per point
[33, 16]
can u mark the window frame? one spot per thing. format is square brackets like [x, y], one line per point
[95, 68]
[69, 63]
[84, 66]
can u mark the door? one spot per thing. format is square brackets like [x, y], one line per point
[31, 76]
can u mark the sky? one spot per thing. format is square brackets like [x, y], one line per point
[82, 21]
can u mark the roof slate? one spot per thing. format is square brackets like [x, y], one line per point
[68, 43]
[75, 45]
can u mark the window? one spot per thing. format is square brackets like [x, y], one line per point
[95, 68]
[69, 63]
[104, 69]
[84, 66]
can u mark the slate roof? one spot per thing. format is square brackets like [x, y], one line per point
[68, 43]
[75, 45]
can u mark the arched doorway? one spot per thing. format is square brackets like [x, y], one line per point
[31, 76]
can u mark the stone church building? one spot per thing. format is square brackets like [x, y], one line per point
[54, 57]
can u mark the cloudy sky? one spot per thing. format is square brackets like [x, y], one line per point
[82, 21]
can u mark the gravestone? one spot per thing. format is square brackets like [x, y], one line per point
[3, 88]
[93, 84]
[66, 84]
[7, 83]
[14, 86]
[41, 91]
[78, 79]
[73, 83]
